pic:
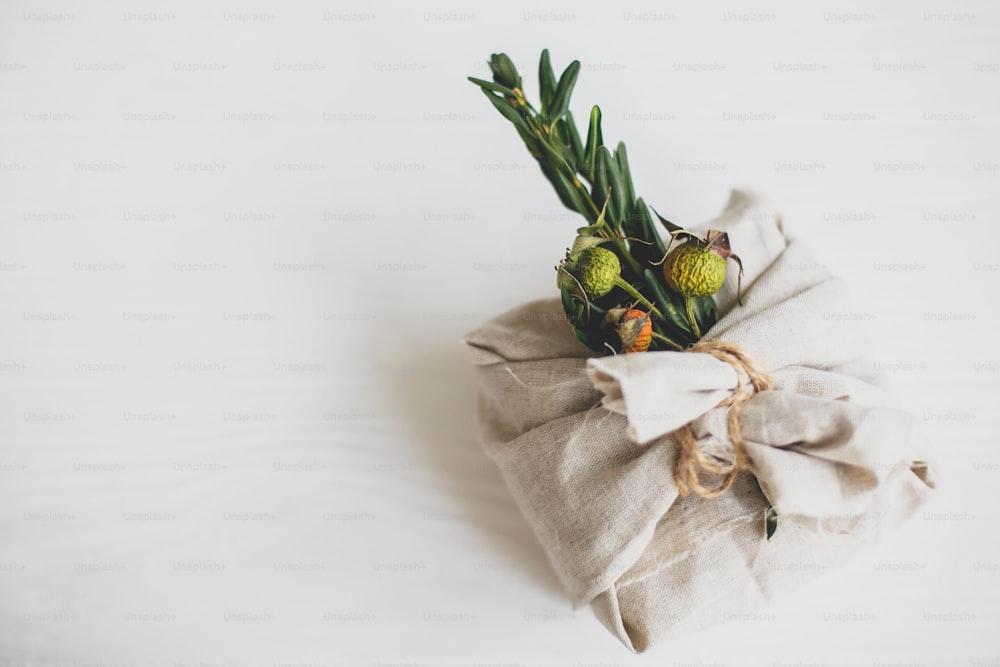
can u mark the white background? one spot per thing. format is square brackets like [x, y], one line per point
[240, 243]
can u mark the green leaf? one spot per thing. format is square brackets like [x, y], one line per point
[560, 101]
[573, 308]
[574, 313]
[672, 307]
[593, 327]
[557, 159]
[504, 71]
[671, 227]
[770, 522]
[704, 312]
[567, 128]
[594, 141]
[563, 147]
[599, 192]
[582, 242]
[508, 111]
[546, 82]
[639, 225]
[648, 230]
[619, 207]
[594, 229]
[568, 194]
[492, 87]
[586, 329]
[621, 158]
[529, 139]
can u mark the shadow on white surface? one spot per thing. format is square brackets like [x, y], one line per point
[437, 398]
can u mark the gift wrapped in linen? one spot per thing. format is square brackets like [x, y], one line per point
[649, 478]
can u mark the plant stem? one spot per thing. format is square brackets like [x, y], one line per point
[689, 306]
[664, 339]
[634, 293]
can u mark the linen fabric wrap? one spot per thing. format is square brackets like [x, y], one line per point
[585, 446]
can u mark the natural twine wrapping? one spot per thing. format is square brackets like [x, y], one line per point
[689, 461]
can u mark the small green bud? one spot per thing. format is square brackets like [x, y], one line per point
[504, 71]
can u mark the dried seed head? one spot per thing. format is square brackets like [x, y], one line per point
[694, 269]
[632, 329]
[598, 271]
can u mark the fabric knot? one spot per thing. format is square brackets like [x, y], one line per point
[690, 462]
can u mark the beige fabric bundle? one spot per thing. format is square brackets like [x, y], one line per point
[585, 446]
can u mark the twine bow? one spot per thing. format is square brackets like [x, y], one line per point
[690, 461]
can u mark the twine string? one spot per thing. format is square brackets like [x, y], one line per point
[690, 461]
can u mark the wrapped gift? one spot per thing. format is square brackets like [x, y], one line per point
[653, 480]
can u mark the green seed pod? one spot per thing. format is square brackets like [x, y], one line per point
[694, 270]
[598, 271]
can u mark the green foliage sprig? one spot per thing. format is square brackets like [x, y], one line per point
[596, 182]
